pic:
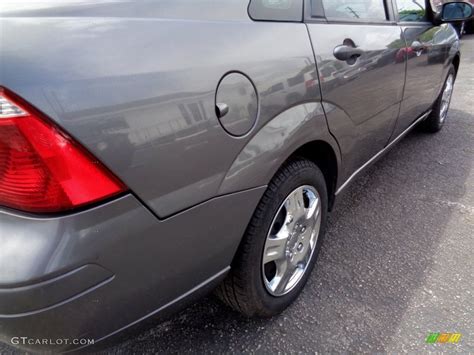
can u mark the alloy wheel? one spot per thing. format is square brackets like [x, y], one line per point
[446, 97]
[291, 240]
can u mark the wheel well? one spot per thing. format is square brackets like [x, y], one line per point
[322, 154]
[456, 61]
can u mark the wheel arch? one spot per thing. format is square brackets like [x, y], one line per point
[299, 131]
[323, 155]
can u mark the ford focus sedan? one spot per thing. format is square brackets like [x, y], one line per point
[153, 151]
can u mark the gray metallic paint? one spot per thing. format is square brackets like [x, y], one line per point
[135, 82]
[142, 100]
[125, 238]
[35, 298]
[371, 102]
[441, 45]
[361, 100]
[274, 143]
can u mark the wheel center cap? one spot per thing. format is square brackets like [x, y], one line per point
[295, 241]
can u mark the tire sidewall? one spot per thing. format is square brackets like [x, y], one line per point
[309, 175]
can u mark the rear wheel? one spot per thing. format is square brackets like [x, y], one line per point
[281, 244]
[439, 113]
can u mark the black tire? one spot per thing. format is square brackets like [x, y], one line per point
[244, 289]
[435, 121]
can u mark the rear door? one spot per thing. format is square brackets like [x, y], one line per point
[427, 52]
[359, 52]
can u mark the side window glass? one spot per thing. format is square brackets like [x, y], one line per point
[411, 10]
[276, 10]
[355, 9]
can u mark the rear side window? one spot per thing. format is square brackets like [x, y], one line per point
[411, 10]
[355, 9]
[276, 10]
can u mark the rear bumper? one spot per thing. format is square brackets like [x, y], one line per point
[70, 280]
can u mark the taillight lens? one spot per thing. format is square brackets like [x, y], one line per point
[42, 169]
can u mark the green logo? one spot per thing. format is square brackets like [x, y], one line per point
[433, 338]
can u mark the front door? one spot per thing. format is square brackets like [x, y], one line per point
[360, 54]
[427, 51]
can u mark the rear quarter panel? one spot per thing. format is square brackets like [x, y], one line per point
[135, 82]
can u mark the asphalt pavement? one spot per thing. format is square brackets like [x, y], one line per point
[397, 262]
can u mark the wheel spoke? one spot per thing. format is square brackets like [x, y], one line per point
[275, 246]
[295, 203]
[282, 267]
[314, 207]
[285, 278]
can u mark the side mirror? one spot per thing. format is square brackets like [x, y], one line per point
[456, 11]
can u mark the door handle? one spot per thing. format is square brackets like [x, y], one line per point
[347, 53]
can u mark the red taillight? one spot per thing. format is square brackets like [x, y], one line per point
[42, 169]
